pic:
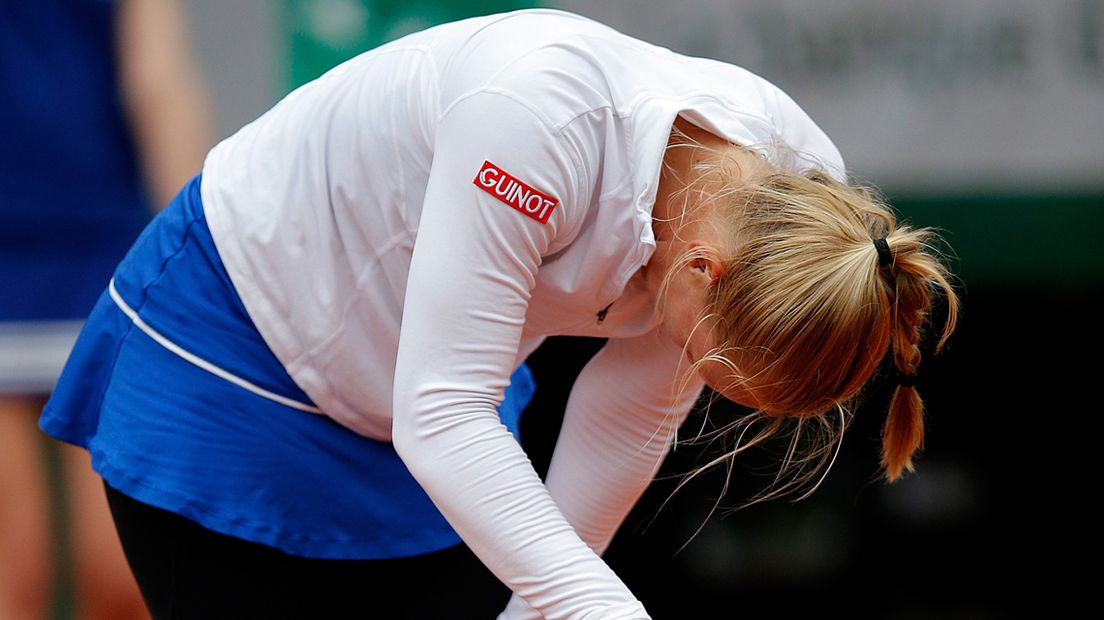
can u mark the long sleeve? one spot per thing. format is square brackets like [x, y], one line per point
[472, 272]
[621, 419]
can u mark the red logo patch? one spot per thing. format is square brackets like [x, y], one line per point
[512, 191]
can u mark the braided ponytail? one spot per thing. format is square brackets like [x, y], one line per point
[909, 278]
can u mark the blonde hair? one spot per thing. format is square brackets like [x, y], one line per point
[804, 311]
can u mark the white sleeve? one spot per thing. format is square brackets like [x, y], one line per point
[474, 264]
[621, 419]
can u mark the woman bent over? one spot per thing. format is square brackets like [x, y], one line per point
[316, 353]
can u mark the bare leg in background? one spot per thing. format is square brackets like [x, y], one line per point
[26, 557]
[103, 587]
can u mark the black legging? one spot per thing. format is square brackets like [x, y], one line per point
[186, 571]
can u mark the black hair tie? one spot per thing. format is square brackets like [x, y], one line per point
[896, 377]
[885, 257]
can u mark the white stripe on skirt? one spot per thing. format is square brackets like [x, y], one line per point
[200, 362]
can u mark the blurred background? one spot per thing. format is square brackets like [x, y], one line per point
[982, 118]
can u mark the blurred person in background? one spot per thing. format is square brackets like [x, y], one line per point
[103, 115]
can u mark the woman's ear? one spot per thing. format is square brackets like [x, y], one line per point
[706, 260]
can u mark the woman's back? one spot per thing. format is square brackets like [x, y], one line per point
[323, 195]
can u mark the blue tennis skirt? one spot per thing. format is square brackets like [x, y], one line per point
[169, 433]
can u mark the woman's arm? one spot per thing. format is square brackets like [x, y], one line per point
[164, 95]
[474, 264]
[621, 419]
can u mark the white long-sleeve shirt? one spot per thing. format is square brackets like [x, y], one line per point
[408, 228]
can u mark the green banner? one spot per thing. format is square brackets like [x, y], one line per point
[324, 33]
[1042, 241]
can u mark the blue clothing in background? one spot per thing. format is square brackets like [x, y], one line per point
[73, 199]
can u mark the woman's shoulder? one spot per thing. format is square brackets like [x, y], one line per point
[560, 64]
